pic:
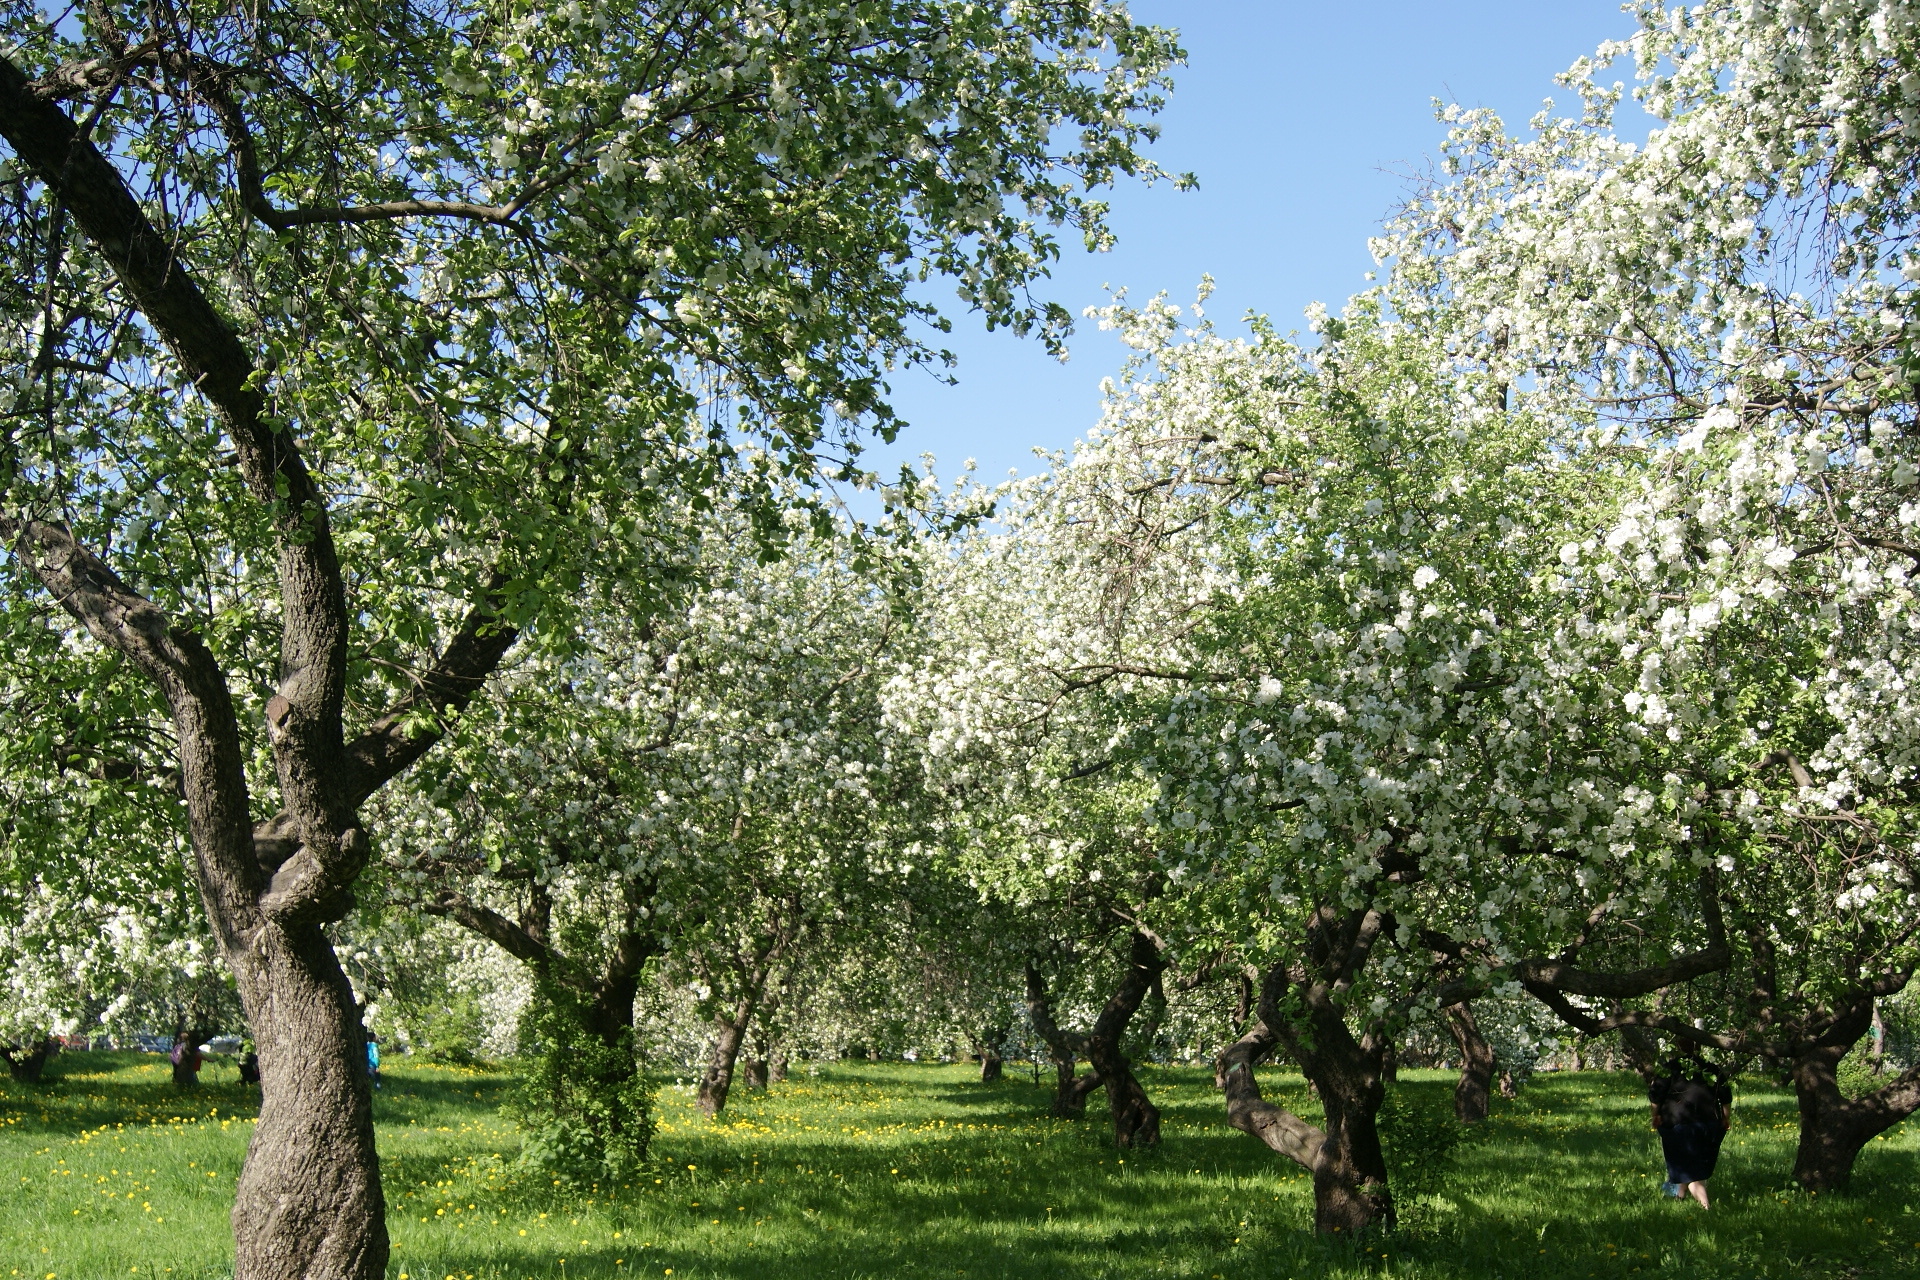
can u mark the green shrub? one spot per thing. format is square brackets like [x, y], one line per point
[1420, 1139]
[586, 1105]
[449, 1034]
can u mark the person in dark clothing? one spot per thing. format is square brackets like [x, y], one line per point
[1692, 1117]
[250, 1068]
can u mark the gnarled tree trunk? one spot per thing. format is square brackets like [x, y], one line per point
[1350, 1191]
[1833, 1127]
[1064, 1047]
[1136, 1121]
[1472, 1093]
[308, 1203]
[300, 1208]
[729, 1031]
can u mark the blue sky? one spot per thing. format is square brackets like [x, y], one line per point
[1303, 124]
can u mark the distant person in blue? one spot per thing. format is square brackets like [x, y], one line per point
[1692, 1117]
[373, 1059]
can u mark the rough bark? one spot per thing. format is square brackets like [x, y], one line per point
[1349, 1170]
[309, 1200]
[1472, 1093]
[1136, 1121]
[1064, 1047]
[716, 1081]
[1833, 1127]
[1301, 1010]
[27, 1063]
[777, 1068]
[753, 1073]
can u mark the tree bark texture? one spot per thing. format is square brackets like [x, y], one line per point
[308, 1203]
[1136, 1121]
[754, 1073]
[992, 1066]
[729, 1032]
[777, 1067]
[1302, 1012]
[1473, 1091]
[1833, 1127]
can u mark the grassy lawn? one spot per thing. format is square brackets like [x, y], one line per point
[884, 1170]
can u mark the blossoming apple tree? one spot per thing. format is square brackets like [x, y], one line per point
[352, 342]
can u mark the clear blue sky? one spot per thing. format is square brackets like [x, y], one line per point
[1302, 123]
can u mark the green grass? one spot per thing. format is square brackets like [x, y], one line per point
[895, 1170]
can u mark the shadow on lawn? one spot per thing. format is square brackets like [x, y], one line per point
[84, 1089]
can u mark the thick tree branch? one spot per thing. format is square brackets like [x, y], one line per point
[212, 773]
[304, 717]
[1249, 1112]
[494, 927]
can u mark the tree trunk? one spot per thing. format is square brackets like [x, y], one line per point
[1350, 1192]
[1070, 1092]
[1065, 1049]
[1834, 1128]
[987, 1047]
[717, 1080]
[1472, 1092]
[27, 1063]
[309, 1201]
[754, 1073]
[1136, 1121]
[777, 1068]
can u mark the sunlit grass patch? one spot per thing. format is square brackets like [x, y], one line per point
[885, 1170]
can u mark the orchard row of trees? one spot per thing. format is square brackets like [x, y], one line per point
[421, 490]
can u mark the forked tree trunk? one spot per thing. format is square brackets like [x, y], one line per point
[1833, 1127]
[1350, 1191]
[27, 1063]
[1472, 1092]
[308, 1202]
[1070, 1091]
[1064, 1047]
